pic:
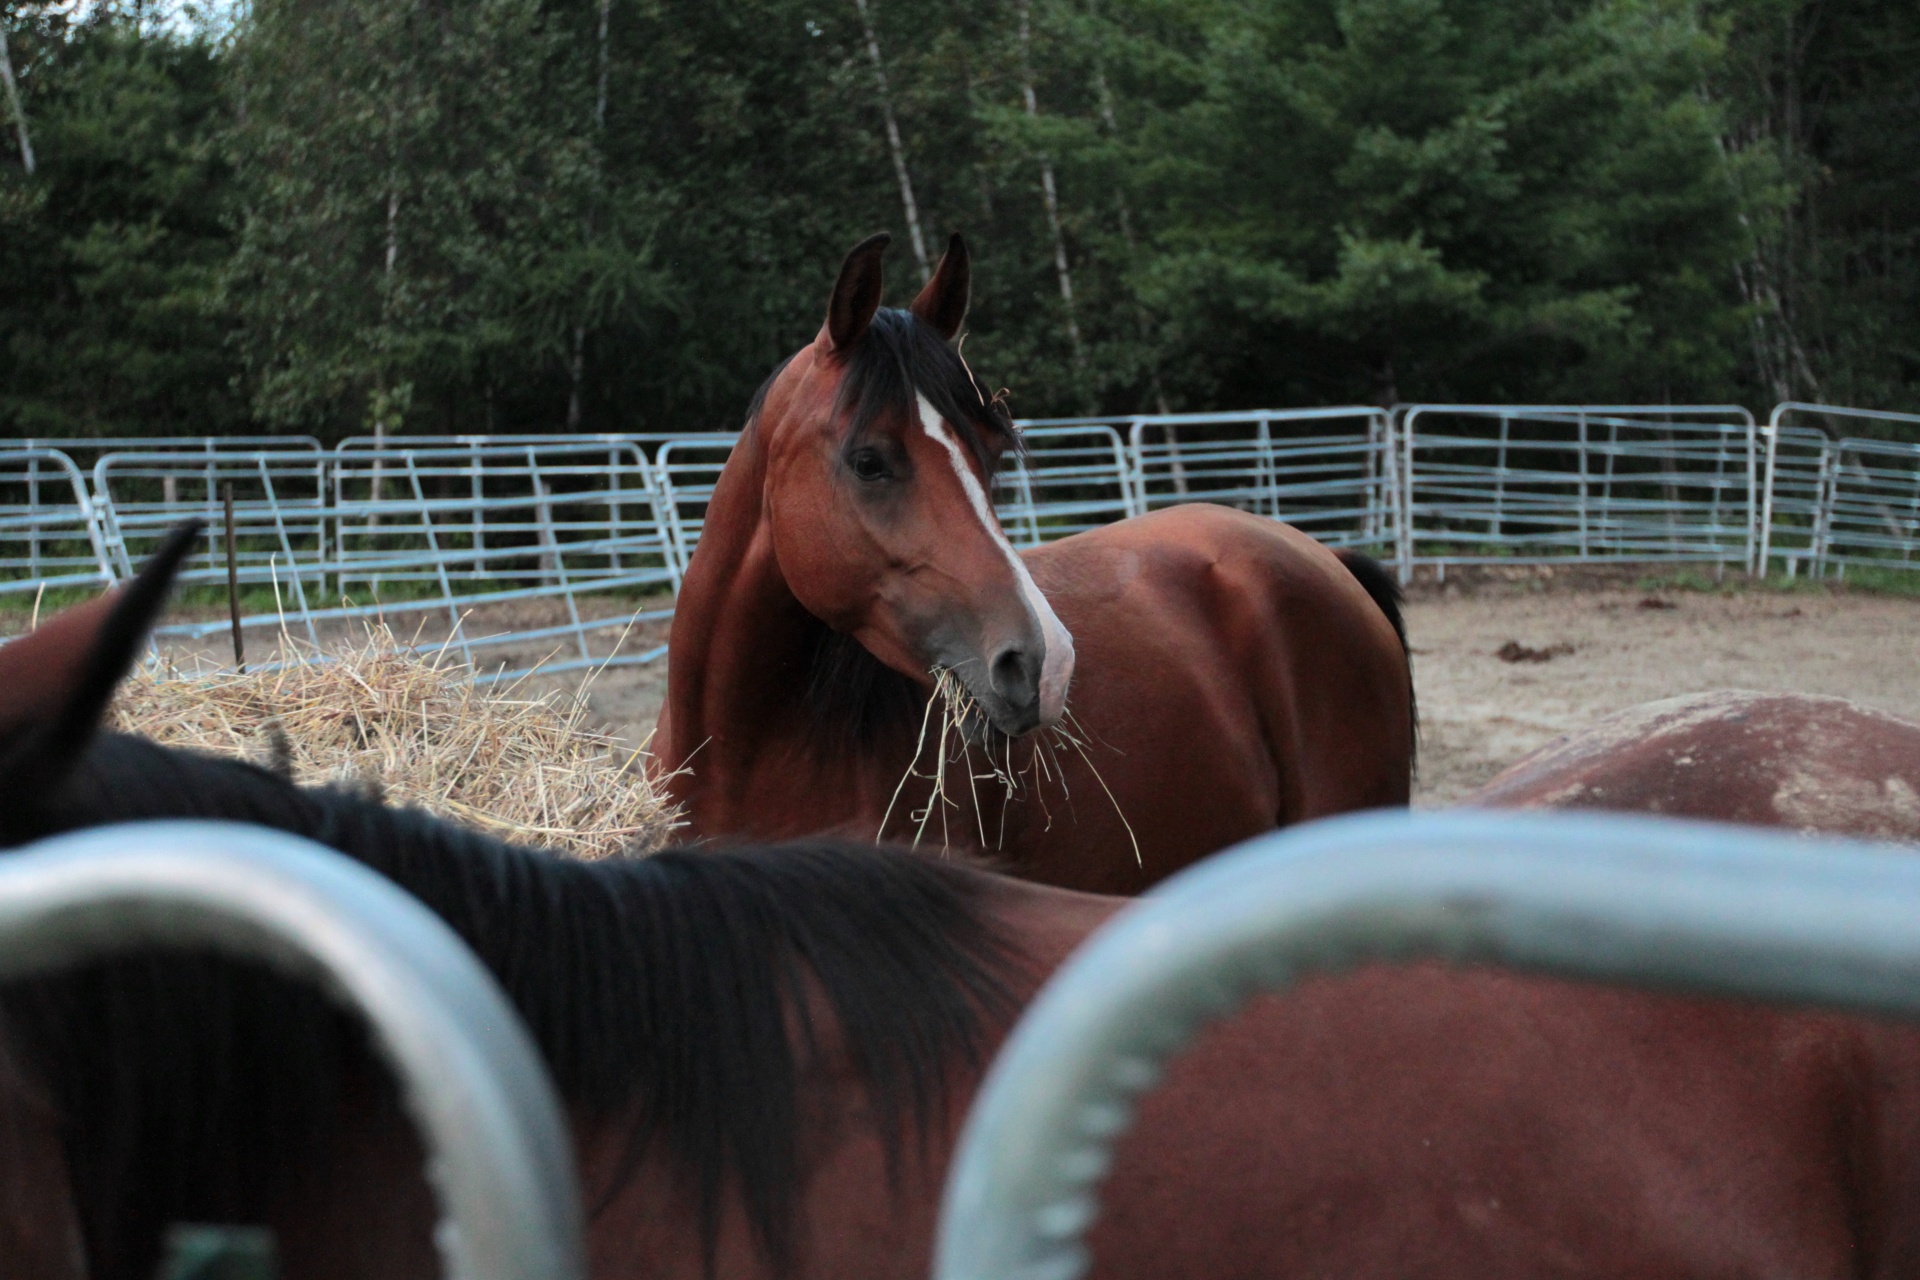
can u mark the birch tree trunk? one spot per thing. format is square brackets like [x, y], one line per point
[1766, 281]
[1103, 94]
[1049, 195]
[13, 101]
[907, 202]
[578, 367]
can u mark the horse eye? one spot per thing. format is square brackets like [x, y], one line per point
[867, 464]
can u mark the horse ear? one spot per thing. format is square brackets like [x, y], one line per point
[56, 681]
[856, 295]
[943, 303]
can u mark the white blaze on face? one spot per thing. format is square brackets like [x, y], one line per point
[1056, 667]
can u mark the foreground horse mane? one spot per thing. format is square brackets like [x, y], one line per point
[668, 991]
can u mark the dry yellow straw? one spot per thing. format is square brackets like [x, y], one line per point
[522, 767]
[958, 711]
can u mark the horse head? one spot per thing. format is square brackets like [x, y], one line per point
[880, 447]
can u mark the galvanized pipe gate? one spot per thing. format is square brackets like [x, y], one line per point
[1671, 905]
[499, 1159]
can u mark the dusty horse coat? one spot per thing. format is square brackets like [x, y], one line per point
[1793, 760]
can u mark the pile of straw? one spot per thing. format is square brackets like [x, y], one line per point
[524, 768]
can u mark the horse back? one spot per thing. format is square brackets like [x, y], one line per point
[1252, 623]
[1789, 760]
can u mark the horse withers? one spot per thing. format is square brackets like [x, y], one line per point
[1129, 699]
[1799, 761]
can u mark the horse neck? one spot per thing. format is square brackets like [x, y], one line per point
[741, 644]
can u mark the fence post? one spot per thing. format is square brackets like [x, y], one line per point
[1498, 525]
[1582, 454]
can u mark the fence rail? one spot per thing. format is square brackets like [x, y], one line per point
[523, 551]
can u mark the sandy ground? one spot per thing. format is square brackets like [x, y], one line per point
[1618, 642]
[1616, 638]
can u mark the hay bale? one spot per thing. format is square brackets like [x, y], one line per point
[521, 767]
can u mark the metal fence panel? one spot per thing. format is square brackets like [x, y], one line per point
[49, 538]
[280, 518]
[1072, 477]
[1521, 484]
[457, 531]
[1833, 501]
[1327, 471]
[1871, 517]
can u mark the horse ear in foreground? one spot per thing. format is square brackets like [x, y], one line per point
[1793, 760]
[857, 647]
[56, 681]
[767, 1054]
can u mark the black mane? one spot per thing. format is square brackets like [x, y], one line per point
[900, 355]
[665, 993]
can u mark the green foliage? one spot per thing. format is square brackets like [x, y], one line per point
[110, 253]
[1487, 198]
[416, 215]
[419, 184]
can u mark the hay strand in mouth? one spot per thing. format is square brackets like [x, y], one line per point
[960, 717]
[418, 730]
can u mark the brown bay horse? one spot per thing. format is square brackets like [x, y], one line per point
[766, 1054]
[1144, 693]
[1794, 760]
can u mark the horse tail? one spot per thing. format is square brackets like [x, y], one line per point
[1384, 589]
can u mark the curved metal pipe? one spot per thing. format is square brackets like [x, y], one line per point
[498, 1155]
[1658, 903]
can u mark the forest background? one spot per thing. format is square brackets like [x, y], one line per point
[337, 216]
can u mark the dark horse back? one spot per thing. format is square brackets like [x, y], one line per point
[1384, 590]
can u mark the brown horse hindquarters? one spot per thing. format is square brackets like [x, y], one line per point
[1232, 676]
[1790, 760]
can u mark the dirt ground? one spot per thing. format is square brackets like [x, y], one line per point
[1611, 639]
[1616, 641]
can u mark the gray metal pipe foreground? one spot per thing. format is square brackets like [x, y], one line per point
[1656, 903]
[498, 1155]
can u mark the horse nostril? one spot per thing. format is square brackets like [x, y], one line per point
[1016, 676]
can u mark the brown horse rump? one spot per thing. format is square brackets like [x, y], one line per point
[1794, 760]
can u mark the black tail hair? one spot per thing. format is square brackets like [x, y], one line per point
[1384, 589]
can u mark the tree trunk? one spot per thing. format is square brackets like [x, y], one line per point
[577, 367]
[600, 90]
[1103, 94]
[1050, 196]
[13, 101]
[894, 145]
[1767, 281]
